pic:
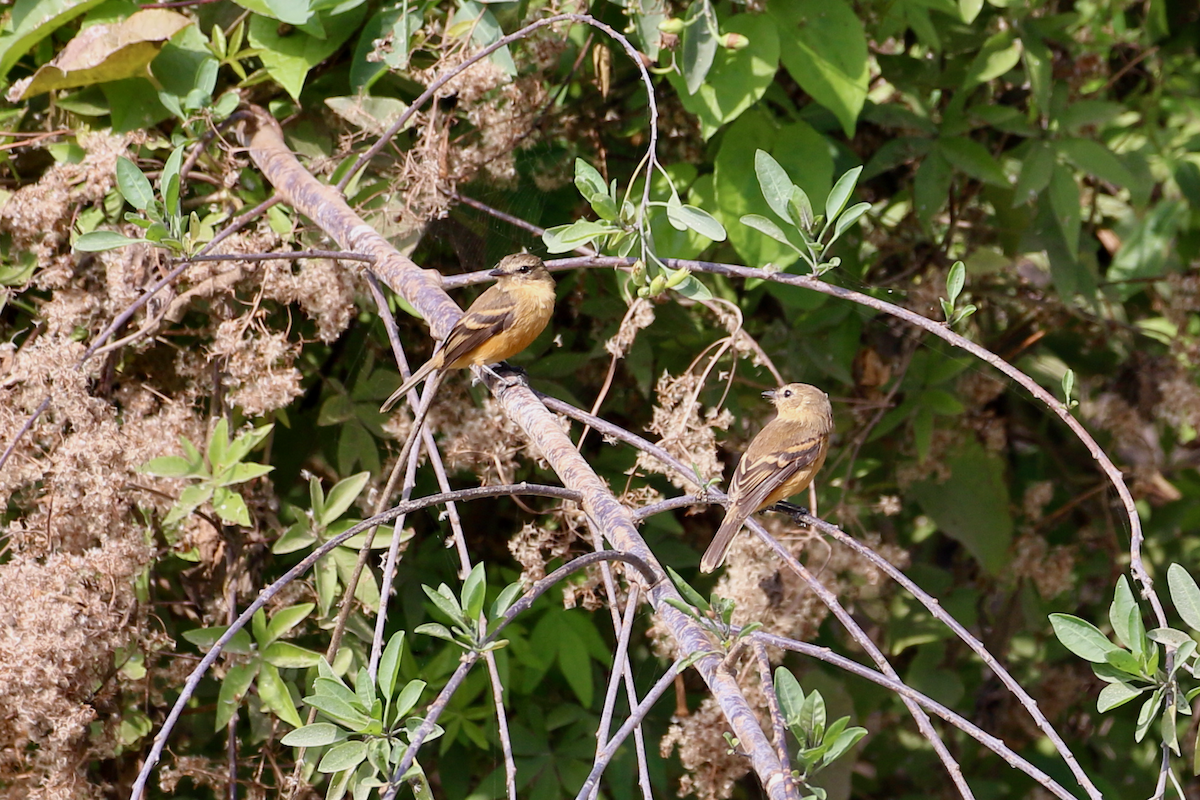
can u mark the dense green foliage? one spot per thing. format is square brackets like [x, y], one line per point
[1053, 148]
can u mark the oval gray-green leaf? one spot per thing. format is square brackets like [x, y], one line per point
[346, 755]
[99, 241]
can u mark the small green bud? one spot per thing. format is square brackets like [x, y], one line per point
[677, 277]
[734, 41]
[671, 25]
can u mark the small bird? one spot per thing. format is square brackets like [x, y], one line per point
[780, 462]
[502, 321]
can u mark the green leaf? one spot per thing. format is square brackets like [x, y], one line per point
[169, 467]
[802, 152]
[344, 756]
[1039, 63]
[286, 655]
[447, 603]
[233, 688]
[339, 711]
[240, 473]
[504, 601]
[941, 402]
[843, 741]
[1117, 694]
[288, 57]
[205, 638]
[693, 289]
[1124, 661]
[169, 182]
[766, 226]
[800, 212]
[969, 9]
[955, 281]
[1185, 595]
[812, 717]
[341, 496]
[409, 696]
[1168, 636]
[699, 44]
[840, 193]
[689, 594]
[364, 689]
[1000, 53]
[847, 219]
[1096, 159]
[473, 593]
[972, 158]
[230, 507]
[931, 187]
[564, 238]
[1082, 638]
[1036, 170]
[134, 185]
[824, 48]
[738, 78]
[436, 630]
[1064, 201]
[972, 506]
[99, 241]
[588, 180]
[774, 182]
[698, 220]
[389, 665]
[297, 537]
[318, 734]
[791, 696]
[1125, 616]
[285, 619]
[275, 696]
[243, 444]
[1147, 714]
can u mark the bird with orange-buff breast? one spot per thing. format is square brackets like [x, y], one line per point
[781, 461]
[502, 322]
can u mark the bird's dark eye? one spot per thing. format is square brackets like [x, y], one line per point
[525, 268]
[787, 393]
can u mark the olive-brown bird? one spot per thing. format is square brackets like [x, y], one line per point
[780, 462]
[502, 321]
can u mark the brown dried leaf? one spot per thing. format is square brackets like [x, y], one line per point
[105, 53]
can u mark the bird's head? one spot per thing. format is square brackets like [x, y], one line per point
[521, 267]
[800, 400]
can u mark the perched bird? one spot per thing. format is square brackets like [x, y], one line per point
[780, 462]
[502, 321]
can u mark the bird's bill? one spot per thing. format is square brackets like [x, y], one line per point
[496, 273]
[769, 394]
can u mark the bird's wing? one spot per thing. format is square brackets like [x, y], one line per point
[489, 315]
[765, 467]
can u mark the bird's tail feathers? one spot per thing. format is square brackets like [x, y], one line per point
[714, 556]
[418, 376]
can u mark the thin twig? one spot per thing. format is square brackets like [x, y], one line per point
[768, 687]
[591, 784]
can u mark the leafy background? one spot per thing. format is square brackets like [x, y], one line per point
[1053, 147]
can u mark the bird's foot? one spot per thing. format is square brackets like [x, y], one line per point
[507, 374]
[796, 512]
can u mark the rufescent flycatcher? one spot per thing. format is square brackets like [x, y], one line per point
[780, 462]
[502, 321]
